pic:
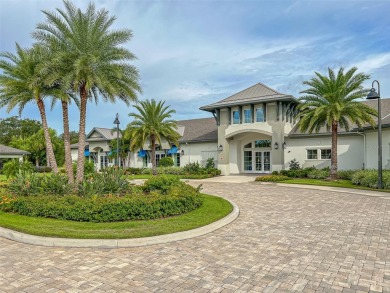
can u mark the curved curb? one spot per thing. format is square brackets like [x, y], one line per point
[119, 243]
[372, 193]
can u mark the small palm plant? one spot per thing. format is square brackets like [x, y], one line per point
[152, 124]
[331, 102]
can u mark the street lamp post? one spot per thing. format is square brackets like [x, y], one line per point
[117, 138]
[373, 95]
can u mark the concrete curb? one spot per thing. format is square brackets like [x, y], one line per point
[119, 243]
[335, 189]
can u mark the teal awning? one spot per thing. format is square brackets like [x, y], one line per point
[173, 150]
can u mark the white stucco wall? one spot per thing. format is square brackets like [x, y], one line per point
[198, 152]
[350, 150]
[372, 149]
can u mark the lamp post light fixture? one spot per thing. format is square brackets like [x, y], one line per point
[117, 138]
[276, 146]
[373, 95]
[182, 152]
[220, 148]
[284, 145]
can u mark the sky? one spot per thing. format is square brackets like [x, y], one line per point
[193, 53]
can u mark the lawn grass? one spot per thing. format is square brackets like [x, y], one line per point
[212, 209]
[336, 183]
[146, 176]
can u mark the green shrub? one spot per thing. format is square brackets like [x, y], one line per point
[107, 209]
[161, 183]
[26, 184]
[346, 174]
[193, 168]
[133, 171]
[146, 171]
[368, 178]
[318, 174]
[275, 172]
[272, 178]
[210, 163]
[42, 169]
[56, 184]
[170, 170]
[166, 162]
[294, 165]
[109, 181]
[89, 167]
[13, 167]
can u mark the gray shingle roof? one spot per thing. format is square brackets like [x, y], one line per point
[105, 134]
[199, 130]
[257, 93]
[6, 150]
[385, 111]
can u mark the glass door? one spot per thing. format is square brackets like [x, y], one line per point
[267, 161]
[259, 161]
[248, 161]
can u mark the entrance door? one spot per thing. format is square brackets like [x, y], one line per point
[256, 161]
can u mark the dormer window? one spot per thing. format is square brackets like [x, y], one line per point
[236, 117]
[247, 116]
[260, 114]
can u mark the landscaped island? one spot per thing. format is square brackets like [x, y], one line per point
[105, 205]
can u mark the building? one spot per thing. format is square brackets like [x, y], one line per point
[7, 152]
[253, 131]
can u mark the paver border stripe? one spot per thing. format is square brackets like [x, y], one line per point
[119, 243]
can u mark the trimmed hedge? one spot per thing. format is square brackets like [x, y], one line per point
[272, 178]
[181, 198]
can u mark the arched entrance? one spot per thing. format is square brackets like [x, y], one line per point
[257, 156]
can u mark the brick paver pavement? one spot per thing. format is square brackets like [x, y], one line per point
[285, 240]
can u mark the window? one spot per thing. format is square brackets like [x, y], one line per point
[312, 154]
[262, 143]
[248, 146]
[326, 154]
[236, 117]
[247, 116]
[178, 159]
[259, 115]
[158, 157]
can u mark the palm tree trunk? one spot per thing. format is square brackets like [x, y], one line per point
[83, 117]
[333, 165]
[153, 141]
[68, 155]
[49, 145]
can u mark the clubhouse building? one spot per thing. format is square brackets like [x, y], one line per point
[254, 131]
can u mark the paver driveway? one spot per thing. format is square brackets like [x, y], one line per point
[285, 240]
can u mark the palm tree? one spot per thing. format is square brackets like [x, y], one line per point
[330, 101]
[22, 83]
[88, 60]
[65, 101]
[151, 125]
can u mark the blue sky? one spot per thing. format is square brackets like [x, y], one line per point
[192, 53]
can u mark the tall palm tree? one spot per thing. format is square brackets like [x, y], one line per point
[21, 83]
[151, 125]
[330, 101]
[66, 99]
[89, 60]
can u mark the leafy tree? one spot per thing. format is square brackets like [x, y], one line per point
[35, 144]
[15, 127]
[14, 166]
[152, 124]
[73, 136]
[88, 59]
[21, 83]
[330, 101]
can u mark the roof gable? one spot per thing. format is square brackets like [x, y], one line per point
[257, 93]
[98, 133]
